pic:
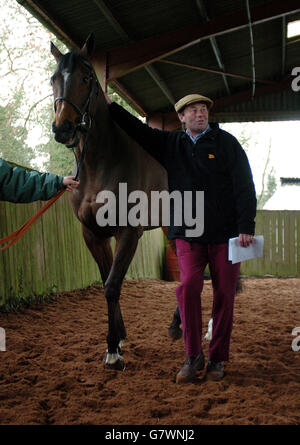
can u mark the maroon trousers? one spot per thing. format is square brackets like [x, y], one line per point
[192, 260]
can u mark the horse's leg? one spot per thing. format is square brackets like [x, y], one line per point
[101, 250]
[127, 241]
[174, 331]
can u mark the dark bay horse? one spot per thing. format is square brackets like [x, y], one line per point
[107, 157]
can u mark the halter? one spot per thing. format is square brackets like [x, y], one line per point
[86, 121]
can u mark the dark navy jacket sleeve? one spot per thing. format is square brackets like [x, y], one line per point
[154, 141]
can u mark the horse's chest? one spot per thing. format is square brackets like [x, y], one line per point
[83, 208]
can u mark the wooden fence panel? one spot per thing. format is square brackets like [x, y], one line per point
[52, 255]
[281, 256]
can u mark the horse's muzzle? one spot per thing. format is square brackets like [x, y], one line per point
[64, 132]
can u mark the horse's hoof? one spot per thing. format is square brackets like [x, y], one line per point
[119, 365]
[175, 333]
[119, 351]
[114, 362]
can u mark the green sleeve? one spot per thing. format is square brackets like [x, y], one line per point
[23, 186]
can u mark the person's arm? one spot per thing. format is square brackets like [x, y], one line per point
[22, 186]
[154, 141]
[244, 193]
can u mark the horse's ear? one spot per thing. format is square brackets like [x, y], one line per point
[88, 46]
[55, 51]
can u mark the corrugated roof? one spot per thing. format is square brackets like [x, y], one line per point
[116, 23]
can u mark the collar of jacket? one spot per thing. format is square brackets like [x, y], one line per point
[214, 129]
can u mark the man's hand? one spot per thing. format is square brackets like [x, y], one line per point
[69, 183]
[245, 240]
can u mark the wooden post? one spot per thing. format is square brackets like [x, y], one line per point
[100, 64]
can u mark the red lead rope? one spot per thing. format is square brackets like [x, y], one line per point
[15, 236]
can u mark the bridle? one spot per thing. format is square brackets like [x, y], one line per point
[85, 123]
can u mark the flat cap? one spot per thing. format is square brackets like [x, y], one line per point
[191, 99]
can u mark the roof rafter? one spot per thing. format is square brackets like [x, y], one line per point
[214, 44]
[119, 87]
[121, 31]
[283, 45]
[246, 95]
[134, 56]
[252, 47]
[237, 98]
[48, 21]
[210, 70]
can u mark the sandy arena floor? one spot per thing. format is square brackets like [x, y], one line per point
[52, 371]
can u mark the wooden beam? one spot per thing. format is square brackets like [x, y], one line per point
[160, 83]
[245, 96]
[129, 97]
[134, 56]
[125, 36]
[213, 42]
[50, 22]
[99, 61]
[237, 98]
[284, 31]
[210, 70]
[252, 116]
[251, 47]
[111, 19]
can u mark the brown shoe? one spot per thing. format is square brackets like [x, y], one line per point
[189, 369]
[214, 371]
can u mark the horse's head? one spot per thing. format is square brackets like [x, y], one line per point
[73, 85]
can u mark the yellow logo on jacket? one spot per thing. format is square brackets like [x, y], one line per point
[210, 156]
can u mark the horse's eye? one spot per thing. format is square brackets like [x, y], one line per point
[85, 79]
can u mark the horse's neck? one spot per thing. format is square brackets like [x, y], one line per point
[99, 145]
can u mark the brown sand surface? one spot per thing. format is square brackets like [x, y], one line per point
[52, 371]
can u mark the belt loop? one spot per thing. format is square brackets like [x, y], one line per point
[191, 245]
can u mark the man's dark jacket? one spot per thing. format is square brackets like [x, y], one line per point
[216, 164]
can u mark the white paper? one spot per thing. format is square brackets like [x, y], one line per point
[237, 253]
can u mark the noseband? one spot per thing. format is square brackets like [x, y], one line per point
[85, 123]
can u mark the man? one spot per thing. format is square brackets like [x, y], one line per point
[22, 186]
[203, 158]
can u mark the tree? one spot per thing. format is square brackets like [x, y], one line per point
[26, 96]
[13, 145]
[268, 181]
[26, 112]
[270, 190]
[265, 179]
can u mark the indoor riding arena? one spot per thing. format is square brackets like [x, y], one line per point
[54, 317]
[52, 370]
